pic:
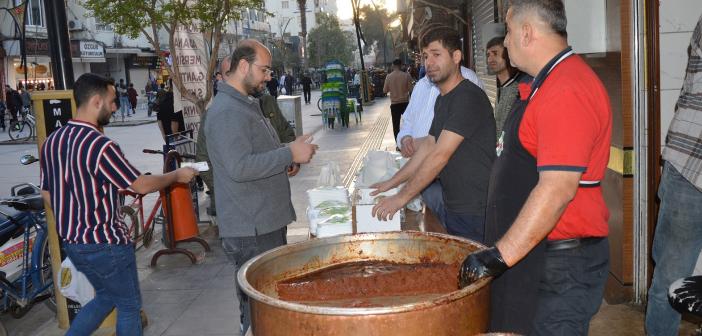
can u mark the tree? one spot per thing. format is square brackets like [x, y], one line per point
[375, 24]
[302, 5]
[327, 41]
[150, 17]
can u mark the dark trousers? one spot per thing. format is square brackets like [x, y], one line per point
[397, 110]
[308, 94]
[571, 290]
[239, 250]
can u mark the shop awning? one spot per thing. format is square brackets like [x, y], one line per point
[124, 51]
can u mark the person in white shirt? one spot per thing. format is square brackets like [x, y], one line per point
[415, 124]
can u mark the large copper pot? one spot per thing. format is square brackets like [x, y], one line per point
[462, 312]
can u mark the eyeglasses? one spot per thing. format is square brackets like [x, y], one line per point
[266, 69]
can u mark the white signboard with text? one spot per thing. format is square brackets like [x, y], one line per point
[191, 58]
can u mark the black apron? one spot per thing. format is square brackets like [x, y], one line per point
[513, 177]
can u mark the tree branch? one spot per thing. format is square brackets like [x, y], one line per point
[450, 11]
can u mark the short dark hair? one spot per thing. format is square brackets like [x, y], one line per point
[89, 85]
[397, 62]
[245, 51]
[500, 40]
[552, 12]
[448, 37]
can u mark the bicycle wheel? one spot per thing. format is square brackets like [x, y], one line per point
[148, 236]
[20, 130]
[131, 221]
[45, 276]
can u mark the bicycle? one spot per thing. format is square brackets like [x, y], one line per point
[132, 214]
[22, 129]
[25, 265]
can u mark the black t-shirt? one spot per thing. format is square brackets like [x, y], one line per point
[466, 111]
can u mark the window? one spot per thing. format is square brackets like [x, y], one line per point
[284, 4]
[101, 26]
[35, 12]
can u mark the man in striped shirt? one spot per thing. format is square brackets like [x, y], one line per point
[81, 173]
[678, 237]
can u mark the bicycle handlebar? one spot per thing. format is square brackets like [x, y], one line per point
[153, 151]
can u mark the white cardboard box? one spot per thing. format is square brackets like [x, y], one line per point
[365, 222]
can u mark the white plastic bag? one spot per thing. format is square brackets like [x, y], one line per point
[74, 284]
[329, 175]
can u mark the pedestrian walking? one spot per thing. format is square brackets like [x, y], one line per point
[289, 81]
[3, 109]
[399, 84]
[272, 86]
[306, 82]
[124, 105]
[26, 100]
[132, 95]
[13, 101]
[77, 160]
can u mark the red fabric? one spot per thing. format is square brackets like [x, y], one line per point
[567, 126]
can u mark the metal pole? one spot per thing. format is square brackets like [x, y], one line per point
[59, 44]
[354, 4]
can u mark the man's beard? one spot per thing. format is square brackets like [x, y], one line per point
[440, 78]
[251, 87]
[104, 117]
[495, 72]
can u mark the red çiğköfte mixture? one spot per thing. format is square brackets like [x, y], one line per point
[367, 279]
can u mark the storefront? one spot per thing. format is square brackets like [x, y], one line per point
[37, 72]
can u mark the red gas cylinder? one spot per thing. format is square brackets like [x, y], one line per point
[184, 219]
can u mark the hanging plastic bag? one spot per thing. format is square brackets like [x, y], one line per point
[74, 284]
[329, 175]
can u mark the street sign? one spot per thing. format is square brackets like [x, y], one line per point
[52, 110]
[57, 112]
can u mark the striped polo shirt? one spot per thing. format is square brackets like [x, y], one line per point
[83, 170]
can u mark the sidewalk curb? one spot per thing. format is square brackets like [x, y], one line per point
[131, 123]
[17, 142]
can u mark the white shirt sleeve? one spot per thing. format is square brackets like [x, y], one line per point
[419, 114]
[414, 108]
[472, 76]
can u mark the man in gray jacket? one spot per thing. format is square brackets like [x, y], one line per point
[250, 164]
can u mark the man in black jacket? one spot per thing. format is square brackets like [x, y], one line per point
[306, 82]
[13, 100]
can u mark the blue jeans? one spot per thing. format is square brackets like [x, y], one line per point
[111, 269]
[465, 225]
[433, 198]
[124, 105]
[239, 250]
[676, 246]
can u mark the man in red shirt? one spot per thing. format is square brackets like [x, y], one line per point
[546, 214]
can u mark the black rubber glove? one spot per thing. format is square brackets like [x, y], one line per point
[481, 264]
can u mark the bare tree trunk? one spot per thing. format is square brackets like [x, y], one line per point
[303, 30]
